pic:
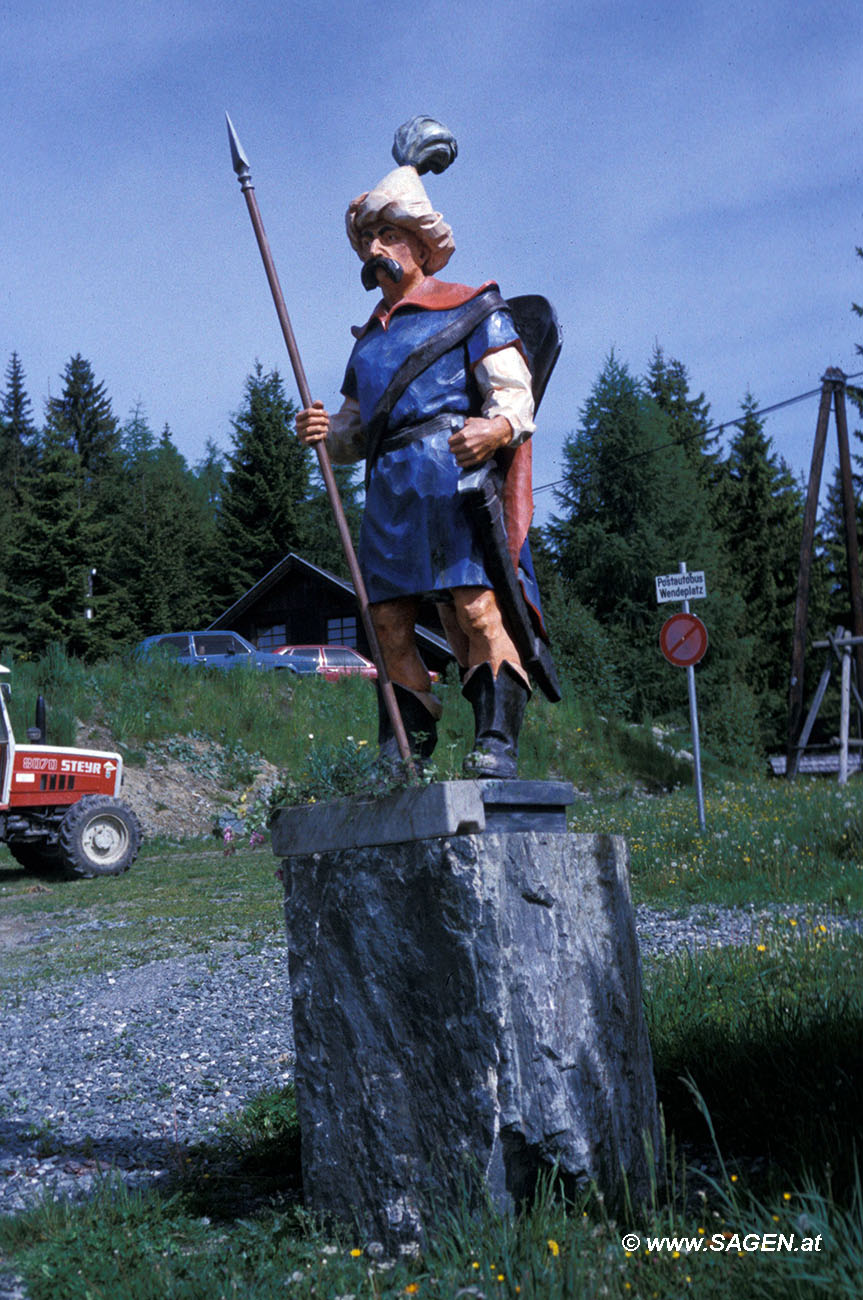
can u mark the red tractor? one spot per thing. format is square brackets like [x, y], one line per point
[59, 807]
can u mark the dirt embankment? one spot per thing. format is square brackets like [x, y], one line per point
[182, 788]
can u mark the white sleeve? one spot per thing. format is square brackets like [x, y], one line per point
[505, 383]
[346, 440]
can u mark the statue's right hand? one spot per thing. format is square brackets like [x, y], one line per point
[312, 424]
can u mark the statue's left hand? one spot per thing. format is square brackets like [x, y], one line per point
[479, 439]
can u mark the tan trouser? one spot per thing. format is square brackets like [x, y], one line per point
[474, 628]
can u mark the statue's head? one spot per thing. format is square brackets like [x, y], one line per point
[400, 200]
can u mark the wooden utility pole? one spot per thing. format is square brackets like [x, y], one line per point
[832, 394]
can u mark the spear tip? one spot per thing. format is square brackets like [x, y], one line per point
[238, 157]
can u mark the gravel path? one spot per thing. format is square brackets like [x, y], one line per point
[665, 933]
[122, 1070]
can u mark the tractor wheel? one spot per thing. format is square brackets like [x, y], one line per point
[99, 836]
[35, 857]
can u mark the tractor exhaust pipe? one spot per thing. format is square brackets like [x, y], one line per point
[38, 735]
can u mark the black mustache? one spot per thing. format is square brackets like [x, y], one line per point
[368, 274]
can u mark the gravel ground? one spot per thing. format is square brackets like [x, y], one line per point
[664, 933]
[122, 1070]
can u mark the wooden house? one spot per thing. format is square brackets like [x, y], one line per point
[297, 603]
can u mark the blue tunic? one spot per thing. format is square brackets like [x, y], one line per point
[416, 536]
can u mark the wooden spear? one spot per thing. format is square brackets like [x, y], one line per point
[244, 176]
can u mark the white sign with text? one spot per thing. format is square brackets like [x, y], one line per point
[681, 586]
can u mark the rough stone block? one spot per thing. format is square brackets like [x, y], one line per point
[465, 1007]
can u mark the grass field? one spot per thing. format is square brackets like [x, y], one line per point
[765, 841]
[758, 1049]
[173, 900]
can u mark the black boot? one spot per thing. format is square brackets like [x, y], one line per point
[420, 723]
[498, 709]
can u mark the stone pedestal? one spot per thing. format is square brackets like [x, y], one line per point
[466, 1007]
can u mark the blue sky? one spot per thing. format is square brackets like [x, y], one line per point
[685, 174]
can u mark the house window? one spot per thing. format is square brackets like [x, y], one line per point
[342, 631]
[271, 637]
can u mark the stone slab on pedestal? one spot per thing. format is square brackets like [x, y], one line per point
[419, 813]
[466, 1007]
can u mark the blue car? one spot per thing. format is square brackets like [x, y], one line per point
[223, 650]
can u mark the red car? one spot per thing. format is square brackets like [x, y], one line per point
[328, 661]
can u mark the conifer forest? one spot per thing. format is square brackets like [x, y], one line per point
[107, 535]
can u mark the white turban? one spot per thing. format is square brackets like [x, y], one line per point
[400, 199]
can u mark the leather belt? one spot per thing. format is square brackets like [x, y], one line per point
[408, 433]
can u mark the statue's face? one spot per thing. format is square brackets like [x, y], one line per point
[382, 240]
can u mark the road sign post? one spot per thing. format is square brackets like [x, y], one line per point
[683, 641]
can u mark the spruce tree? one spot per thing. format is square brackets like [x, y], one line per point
[17, 449]
[263, 512]
[82, 415]
[320, 542]
[81, 419]
[132, 525]
[164, 533]
[688, 417]
[605, 537]
[210, 475]
[584, 653]
[761, 510]
[180, 542]
[633, 506]
[17, 431]
[54, 556]
[207, 486]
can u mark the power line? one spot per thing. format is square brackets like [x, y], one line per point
[700, 433]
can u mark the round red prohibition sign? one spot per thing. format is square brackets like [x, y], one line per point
[683, 640]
